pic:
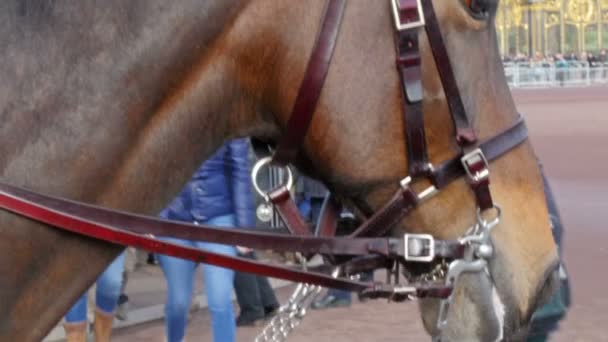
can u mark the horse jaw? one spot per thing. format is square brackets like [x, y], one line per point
[477, 312]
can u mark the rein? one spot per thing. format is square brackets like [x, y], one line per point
[364, 249]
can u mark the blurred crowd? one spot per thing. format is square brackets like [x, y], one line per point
[558, 69]
[559, 60]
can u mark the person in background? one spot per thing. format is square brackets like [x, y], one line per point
[592, 60]
[254, 295]
[310, 195]
[122, 306]
[219, 194]
[106, 298]
[134, 259]
[561, 65]
[339, 298]
[603, 60]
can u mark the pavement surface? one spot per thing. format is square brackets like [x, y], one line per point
[569, 130]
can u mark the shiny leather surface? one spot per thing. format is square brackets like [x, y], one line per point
[310, 89]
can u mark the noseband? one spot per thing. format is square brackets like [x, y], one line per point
[364, 249]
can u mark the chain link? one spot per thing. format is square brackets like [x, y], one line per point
[290, 315]
[437, 274]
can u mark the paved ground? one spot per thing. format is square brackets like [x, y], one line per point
[569, 129]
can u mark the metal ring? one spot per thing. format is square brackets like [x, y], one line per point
[336, 272]
[493, 222]
[254, 176]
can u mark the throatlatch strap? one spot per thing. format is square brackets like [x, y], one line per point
[310, 89]
[82, 219]
[409, 67]
[465, 134]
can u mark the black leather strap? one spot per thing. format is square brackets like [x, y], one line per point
[105, 224]
[410, 73]
[492, 148]
[465, 134]
[310, 89]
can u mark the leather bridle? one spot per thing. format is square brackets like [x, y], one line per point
[470, 252]
[367, 247]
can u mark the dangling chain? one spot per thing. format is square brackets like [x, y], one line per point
[437, 274]
[290, 315]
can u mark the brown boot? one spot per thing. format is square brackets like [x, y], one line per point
[75, 332]
[103, 325]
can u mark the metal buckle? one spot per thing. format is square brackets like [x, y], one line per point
[428, 243]
[422, 195]
[414, 24]
[402, 293]
[470, 159]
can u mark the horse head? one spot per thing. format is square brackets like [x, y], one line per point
[134, 99]
[357, 145]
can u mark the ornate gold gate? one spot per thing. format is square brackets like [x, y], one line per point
[551, 26]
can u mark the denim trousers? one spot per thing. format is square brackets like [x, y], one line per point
[179, 274]
[253, 293]
[107, 292]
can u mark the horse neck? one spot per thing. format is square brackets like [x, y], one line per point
[241, 85]
[160, 89]
[116, 81]
[124, 104]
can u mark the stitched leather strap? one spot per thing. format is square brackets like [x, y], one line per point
[14, 199]
[404, 201]
[383, 220]
[328, 219]
[310, 89]
[465, 134]
[82, 219]
[284, 204]
[492, 148]
[410, 73]
[356, 265]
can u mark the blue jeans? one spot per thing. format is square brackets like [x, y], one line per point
[340, 294]
[106, 297]
[179, 274]
[310, 208]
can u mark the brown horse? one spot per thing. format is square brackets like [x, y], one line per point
[117, 102]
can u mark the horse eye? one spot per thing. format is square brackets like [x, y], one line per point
[479, 9]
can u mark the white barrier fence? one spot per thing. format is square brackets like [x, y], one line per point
[523, 75]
